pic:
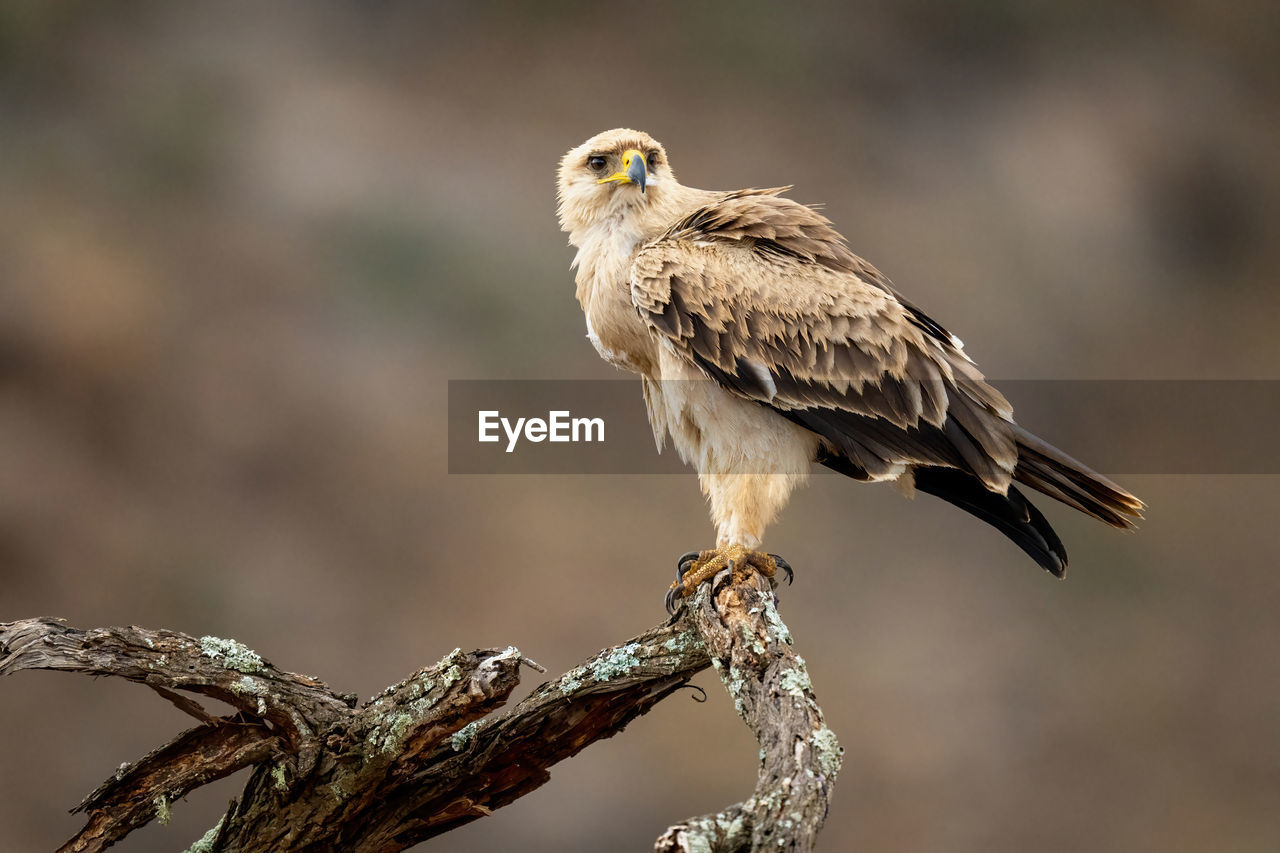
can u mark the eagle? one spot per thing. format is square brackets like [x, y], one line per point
[764, 345]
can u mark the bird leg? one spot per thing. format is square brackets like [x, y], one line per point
[697, 566]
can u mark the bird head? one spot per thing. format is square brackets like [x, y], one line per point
[608, 174]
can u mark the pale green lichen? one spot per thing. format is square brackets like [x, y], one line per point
[699, 842]
[829, 753]
[684, 642]
[771, 802]
[462, 737]
[205, 844]
[414, 688]
[247, 685]
[277, 778]
[776, 625]
[163, 813]
[397, 726]
[700, 832]
[398, 722]
[616, 662]
[735, 682]
[796, 681]
[234, 655]
[421, 683]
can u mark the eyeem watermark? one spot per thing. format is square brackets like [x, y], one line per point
[1118, 427]
[559, 426]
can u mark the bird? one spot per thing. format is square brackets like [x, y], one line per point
[765, 345]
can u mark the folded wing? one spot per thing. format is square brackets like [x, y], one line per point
[764, 296]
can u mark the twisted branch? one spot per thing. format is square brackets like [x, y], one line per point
[424, 756]
[751, 649]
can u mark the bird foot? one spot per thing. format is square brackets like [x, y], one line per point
[695, 567]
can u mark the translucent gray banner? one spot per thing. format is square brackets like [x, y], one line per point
[1114, 426]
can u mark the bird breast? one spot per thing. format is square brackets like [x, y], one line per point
[614, 326]
[616, 350]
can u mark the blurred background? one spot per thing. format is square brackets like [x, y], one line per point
[243, 248]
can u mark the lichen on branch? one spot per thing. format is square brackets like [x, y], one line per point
[429, 754]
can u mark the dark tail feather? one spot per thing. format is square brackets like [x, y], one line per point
[1013, 515]
[1047, 469]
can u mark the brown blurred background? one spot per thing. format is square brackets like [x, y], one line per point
[244, 246]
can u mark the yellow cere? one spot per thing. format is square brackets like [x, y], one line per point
[622, 177]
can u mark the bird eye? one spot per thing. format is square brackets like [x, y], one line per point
[653, 160]
[595, 162]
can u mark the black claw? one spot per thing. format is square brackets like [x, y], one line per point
[682, 564]
[670, 600]
[727, 573]
[785, 566]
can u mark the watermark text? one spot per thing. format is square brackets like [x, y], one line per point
[558, 426]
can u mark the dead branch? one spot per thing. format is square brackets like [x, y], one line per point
[421, 758]
[751, 649]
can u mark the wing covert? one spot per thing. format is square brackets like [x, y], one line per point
[765, 297]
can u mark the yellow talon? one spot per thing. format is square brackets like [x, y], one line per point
[709, 563]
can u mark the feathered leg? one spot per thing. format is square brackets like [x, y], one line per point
[742, 506]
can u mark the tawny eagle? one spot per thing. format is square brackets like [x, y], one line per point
[764, 344]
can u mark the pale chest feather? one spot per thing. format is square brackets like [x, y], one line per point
[614, 326]
[717, 431]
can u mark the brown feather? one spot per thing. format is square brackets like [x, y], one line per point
[765, 297]
[821, 320]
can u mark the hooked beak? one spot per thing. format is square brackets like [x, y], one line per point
[633, 170]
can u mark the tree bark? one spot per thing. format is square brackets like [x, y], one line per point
[751, 649]
[425, 756]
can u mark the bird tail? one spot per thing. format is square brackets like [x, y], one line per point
[1047, 469]
[1041, 466]
[1011, 513]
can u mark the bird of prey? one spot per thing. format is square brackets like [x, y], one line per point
[764, 344]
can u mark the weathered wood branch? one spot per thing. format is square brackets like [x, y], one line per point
[751, 649]
[421, 758]
[145, 789]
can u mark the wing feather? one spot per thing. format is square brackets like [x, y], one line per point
[766, 299]
[764, 295]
